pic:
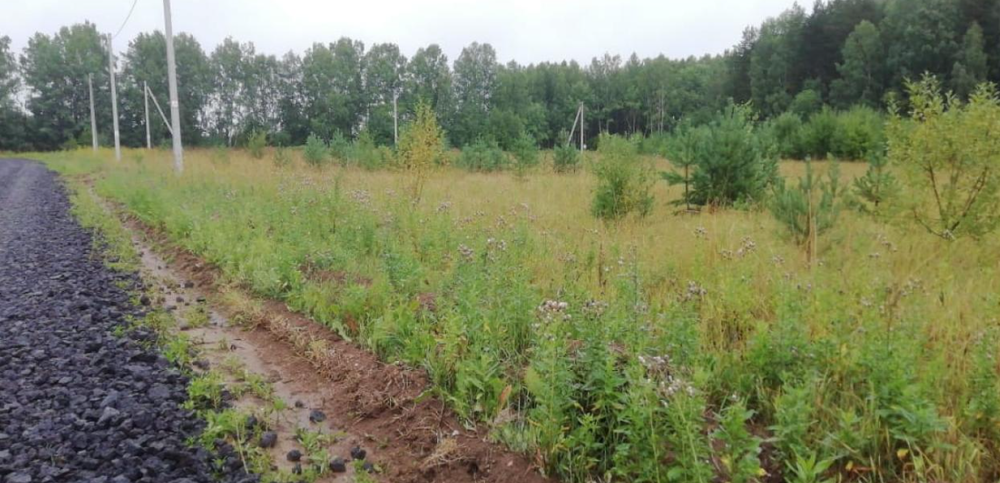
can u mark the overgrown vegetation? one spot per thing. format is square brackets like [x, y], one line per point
[655, 348]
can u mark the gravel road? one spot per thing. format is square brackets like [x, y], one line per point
[78, 403]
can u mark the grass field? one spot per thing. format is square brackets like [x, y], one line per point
[677, 347]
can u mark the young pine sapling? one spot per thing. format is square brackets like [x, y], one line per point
[809, 209]
[682, 151]
[877, 186]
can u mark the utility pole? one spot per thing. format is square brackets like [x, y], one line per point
[93, 115]
[581, 127]
[114, 100]
[175, 114]
[145, 100]
[395, 120]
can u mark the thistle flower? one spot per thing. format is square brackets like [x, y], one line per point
[695, 291]
[594, 308]
[551, 310]
[466, 253]
[747, 246]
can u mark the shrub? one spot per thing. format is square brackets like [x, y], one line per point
[421, 146]
[806, 103]
[734, 165]
[810, 208]
[565, 158]
[786, 133]
[525, 153]
[655, 144]
[818, 134]
[624, 180]
[256, 143]
[315, 152]
[949, 153]
[858, 132]
[482, 155]
[505, 127]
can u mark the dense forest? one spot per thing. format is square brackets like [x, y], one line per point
[842, 54]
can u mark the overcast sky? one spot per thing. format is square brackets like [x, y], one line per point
[528, 31]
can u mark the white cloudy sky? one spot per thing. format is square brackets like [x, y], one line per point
[525, 30]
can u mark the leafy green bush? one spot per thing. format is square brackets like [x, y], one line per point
[565, 158]
[625, 180]
[949, 153]
[482, 155]
[315, 152]
[786, 133]
[818, 134]
[505, 127]
[734, 164]
[859, 131]
[256, 143]
[656, 143]
[806, 103]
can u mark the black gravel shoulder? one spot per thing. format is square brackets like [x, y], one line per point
[78, 403]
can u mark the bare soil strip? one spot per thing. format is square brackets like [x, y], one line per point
[383, 408]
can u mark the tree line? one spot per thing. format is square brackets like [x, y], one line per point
[842, 53]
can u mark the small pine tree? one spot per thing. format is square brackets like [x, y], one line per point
[565, 158]
[682, 151]
[256, 143]
[809, 209]
[877, 185]
[281, 157]
[340, 148]
[315, 152]
[525, 153]
[734, 164]
[421, 145]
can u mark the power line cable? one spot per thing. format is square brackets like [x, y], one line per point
[127, 17]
